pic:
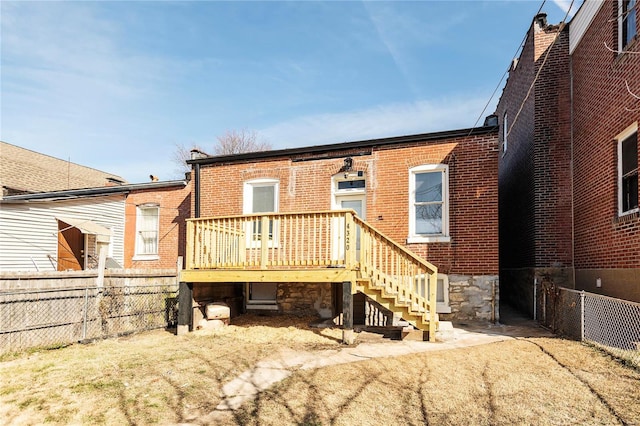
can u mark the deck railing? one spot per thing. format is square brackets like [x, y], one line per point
[335, 238]
[271, 240]
[399, 271]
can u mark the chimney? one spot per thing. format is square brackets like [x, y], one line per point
[540, 22]
[153, 178]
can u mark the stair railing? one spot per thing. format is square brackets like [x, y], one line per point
[399, 271]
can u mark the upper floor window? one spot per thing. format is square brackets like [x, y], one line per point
[429, 204]
[626, 22]
[628, 170]
[147, 223]
[505, 132]
[260, 196]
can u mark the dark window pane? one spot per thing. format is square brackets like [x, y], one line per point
[630, 154]
[351, 184]
[630, 192]
[428, 187]
[628, 21]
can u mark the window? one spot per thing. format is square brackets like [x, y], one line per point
[626, 22]
[628, 170]
[505, 132]
[442, 292]
[260, 196]
[147, 232]
[429, 204]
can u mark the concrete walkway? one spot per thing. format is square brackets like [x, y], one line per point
[281, 365]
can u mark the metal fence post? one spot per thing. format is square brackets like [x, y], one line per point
[86, 304]
[582, 316]
[535, 299]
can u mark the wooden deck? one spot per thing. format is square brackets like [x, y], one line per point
[326, 246]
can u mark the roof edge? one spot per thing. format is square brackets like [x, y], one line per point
[91, 192]
[316, 149]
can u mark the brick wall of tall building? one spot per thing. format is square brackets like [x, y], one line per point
[305, 185]
[535, 170]
[552, 150]
[516, 165]
[175, 207]
[602, 109]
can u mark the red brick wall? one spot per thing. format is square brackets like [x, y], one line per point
[306, 186]
[516, 166]
[175, 205]
[552, 150]
[535, 172]
[602, 108]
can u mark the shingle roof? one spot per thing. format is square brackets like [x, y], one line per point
[24, 171]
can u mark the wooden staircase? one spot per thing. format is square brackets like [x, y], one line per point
[397, 279]
[412, 313]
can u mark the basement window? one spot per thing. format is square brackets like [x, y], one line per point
[442, 292]
[628, 170]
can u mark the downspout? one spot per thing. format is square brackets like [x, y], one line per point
[571, 169]
[196, 190]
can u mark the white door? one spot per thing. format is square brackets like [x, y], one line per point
[354, 202]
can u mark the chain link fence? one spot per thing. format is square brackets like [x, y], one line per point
[609, 323]
[56, 317]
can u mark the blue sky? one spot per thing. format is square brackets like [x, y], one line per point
[116, 85]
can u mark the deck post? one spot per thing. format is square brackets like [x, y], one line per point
[349, 241]
[189, 251]
[433, 295]
[185, 308]
[348, 336]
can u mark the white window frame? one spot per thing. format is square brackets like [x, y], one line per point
[139, 254]
[442, 307]
[622, 44]
[443, 237]
[621, 138]
[505, 132]
[247, 207]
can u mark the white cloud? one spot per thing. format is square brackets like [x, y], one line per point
[564, 5]
[381, 121]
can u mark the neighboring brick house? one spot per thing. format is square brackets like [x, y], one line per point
[435, 193]
[569, 166]
[606, 112]
[164, 207]
[23, 171]
[139, 226]
[535, 166]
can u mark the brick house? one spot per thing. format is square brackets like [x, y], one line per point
[569, 162]
[164, 206]
[535, 166]
[430, 197]
[138, 225]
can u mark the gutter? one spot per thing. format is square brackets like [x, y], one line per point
[90, 192]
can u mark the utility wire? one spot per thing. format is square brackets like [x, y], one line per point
[544, 61]
[515, 55]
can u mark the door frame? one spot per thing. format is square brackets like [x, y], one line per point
[339, 195]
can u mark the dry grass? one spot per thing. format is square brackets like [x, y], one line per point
[157, 377]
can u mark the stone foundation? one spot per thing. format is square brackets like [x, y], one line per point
[305, 299]
[473, 298]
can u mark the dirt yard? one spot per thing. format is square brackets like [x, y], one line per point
[160, 378]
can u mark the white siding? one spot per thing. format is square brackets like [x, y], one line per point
[581, 22]
[28, 231]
